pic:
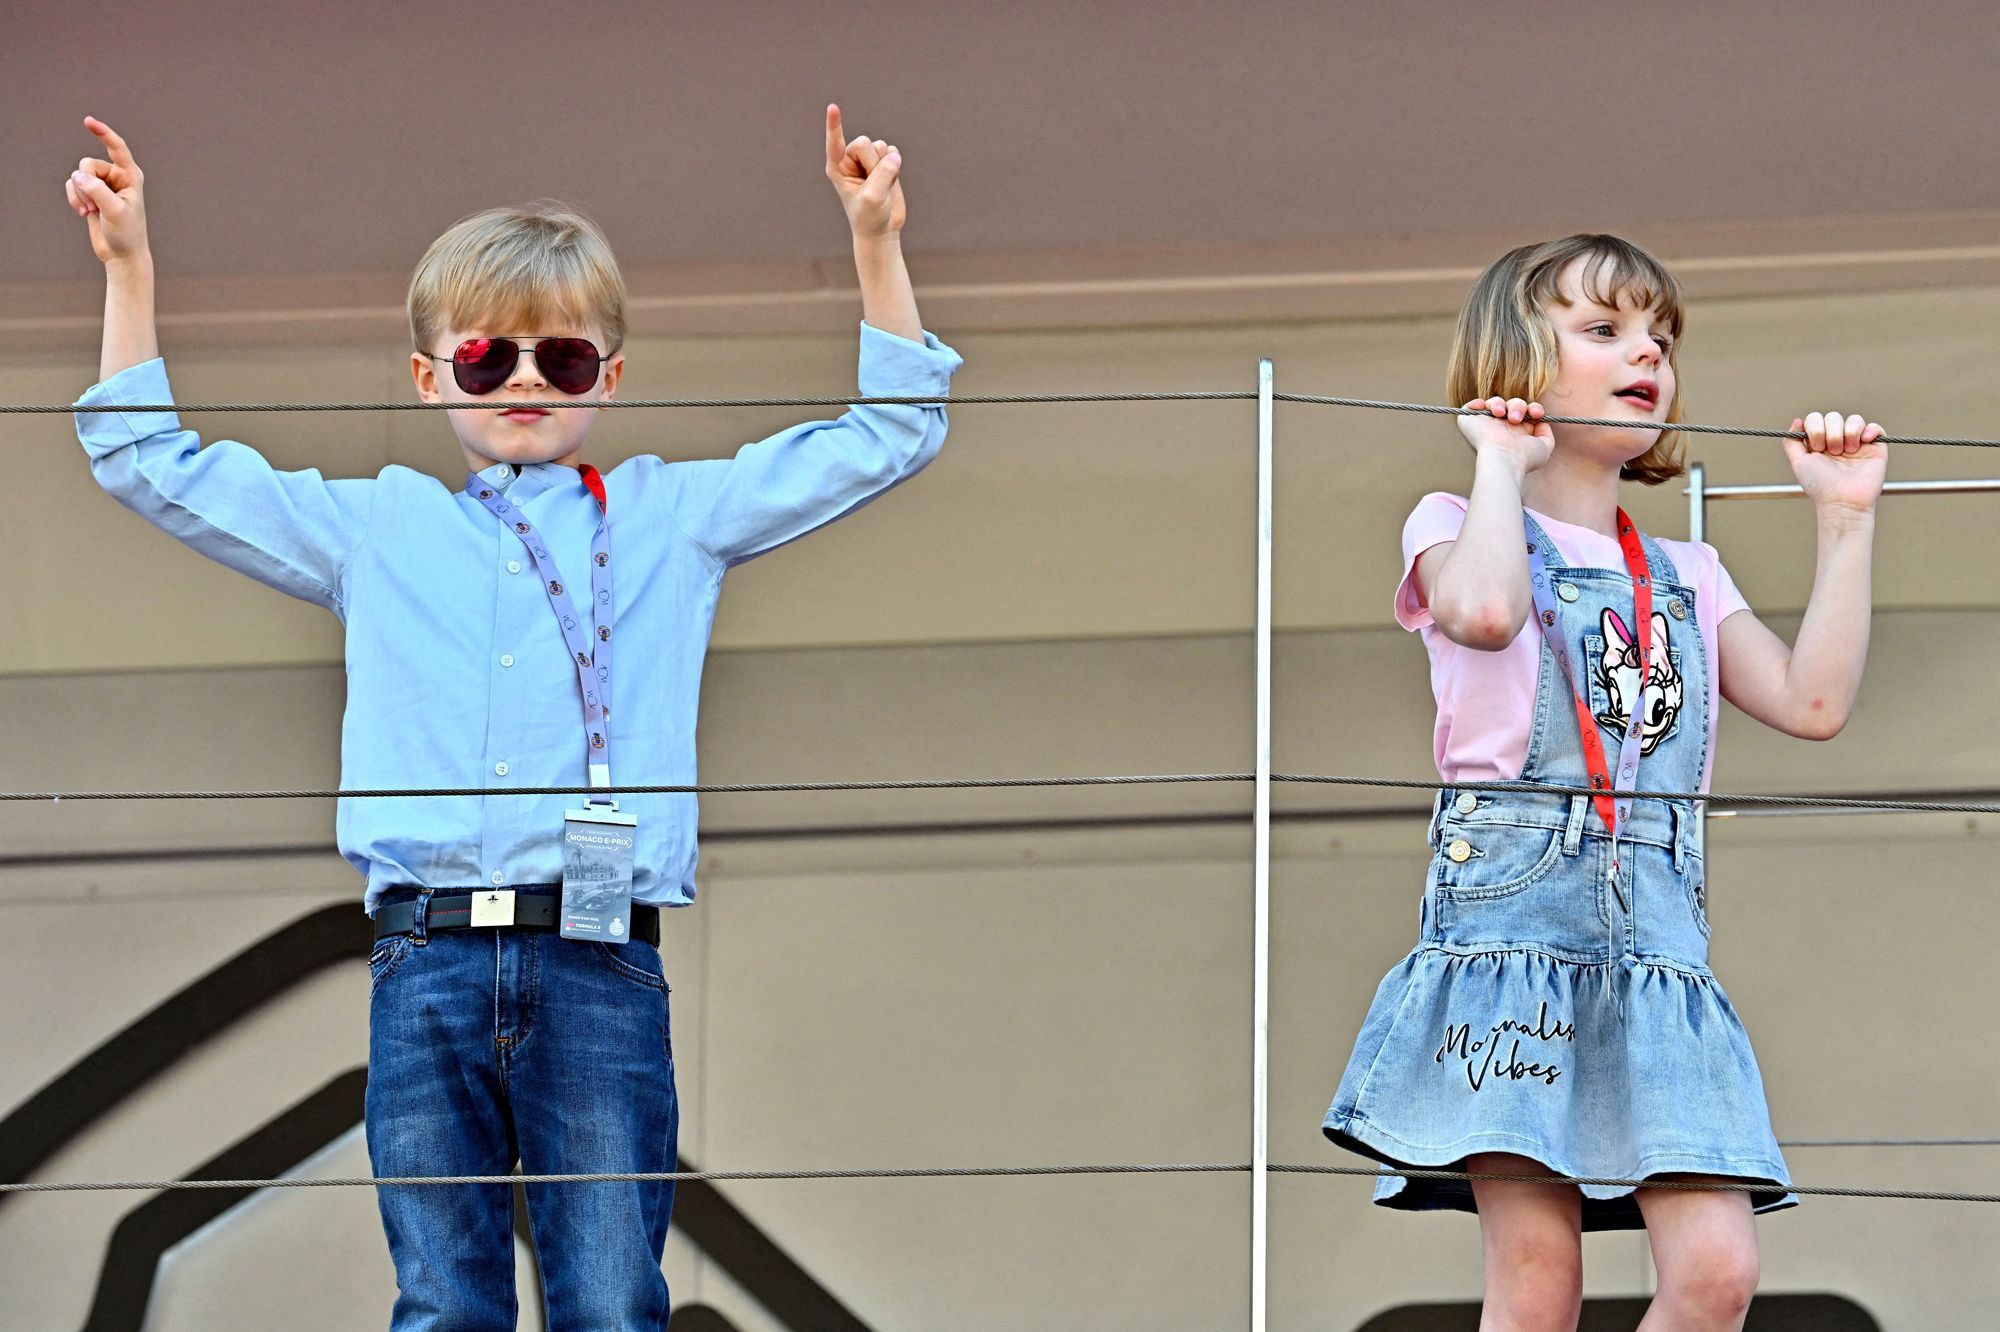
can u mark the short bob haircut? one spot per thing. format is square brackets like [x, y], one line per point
[1506, 346]
[520, 271]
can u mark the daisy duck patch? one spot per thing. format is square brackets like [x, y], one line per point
[1617, 673]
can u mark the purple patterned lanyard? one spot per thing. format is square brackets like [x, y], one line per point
[1614, 811]
[592, 658]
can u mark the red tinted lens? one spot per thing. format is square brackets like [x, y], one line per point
[568, 363]
[481, 365]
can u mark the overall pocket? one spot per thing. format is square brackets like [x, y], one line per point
[1695, 879]
[1611, 687]
[1488, 861]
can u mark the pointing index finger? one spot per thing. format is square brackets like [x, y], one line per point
[121, 154]
[836, 141]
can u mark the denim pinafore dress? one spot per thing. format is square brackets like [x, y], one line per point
[1547, 1011]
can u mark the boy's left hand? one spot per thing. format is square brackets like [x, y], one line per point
[866, 174]
[1839, 464]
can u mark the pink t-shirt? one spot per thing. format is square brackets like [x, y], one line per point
[1486, 700]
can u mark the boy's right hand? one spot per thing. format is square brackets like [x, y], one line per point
[1508, 429]
[110, 196]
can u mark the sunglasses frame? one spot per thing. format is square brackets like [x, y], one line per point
[529, 344]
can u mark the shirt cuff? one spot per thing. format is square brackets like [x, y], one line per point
[146, 382]
[1411, 613]
[893, 367]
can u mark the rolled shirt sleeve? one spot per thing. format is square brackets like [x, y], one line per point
[778, 489]
[294, 531]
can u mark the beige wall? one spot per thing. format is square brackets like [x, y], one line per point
[1065, 592]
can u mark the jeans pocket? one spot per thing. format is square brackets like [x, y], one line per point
[387, 956]
[636, 962]
[640, 966]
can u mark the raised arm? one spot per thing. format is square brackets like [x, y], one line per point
[1477, 586]
[109, 194]
[780, 488]
[867, 175]
[295, 531]
[1808, 689]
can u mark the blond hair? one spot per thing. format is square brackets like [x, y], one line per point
[521, 271]
[1505, 344]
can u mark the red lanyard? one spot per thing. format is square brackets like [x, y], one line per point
[1638, 651]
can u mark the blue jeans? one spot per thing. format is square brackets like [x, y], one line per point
[487, 1047]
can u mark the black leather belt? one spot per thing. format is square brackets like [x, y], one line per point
[533, 911]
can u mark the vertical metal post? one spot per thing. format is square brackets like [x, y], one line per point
[1260, 1034]
[1697, 492]
[1697, 502]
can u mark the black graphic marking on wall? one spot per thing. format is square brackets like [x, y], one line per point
[123, 1065]
[90, 1088]
[142, 1238]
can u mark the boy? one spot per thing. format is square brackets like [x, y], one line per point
[509, 1020]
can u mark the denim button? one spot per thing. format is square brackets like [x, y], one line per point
[1466, 803]
[1567, 591]
[1460, 851]
[1677, 608]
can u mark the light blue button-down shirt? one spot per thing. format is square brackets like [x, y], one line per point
[457, 674]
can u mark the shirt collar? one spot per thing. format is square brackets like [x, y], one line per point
[522, 484]
[500, 475]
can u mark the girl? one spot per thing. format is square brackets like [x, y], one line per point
[1558, 1015]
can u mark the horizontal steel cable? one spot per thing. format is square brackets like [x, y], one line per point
[635, 1177]
[697, 788]
[1748, 432]
[1727, 798]
[949, 1172]
[941, 400]
[1889, 1142]
[1719, 798]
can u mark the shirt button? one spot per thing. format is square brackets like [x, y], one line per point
[498, 878]
[1460, 852]
[513, 566]
[1466, 803]
[500, 769]
[506, 659]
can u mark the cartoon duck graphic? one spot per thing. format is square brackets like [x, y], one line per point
[1618, 675]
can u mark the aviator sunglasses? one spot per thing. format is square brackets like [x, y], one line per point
[481, 365]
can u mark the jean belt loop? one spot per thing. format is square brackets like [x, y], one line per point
[1440, 802]
[1579, 813]
[1427, 917]
[420, 918]
[1683, 830]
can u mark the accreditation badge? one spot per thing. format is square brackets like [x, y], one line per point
[598, 843]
